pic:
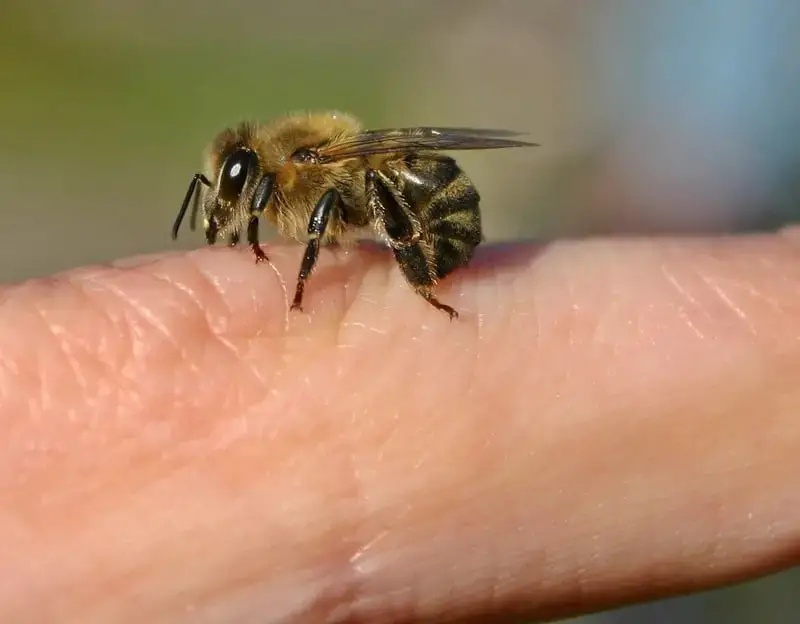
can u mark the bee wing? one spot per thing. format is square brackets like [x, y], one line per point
[452, 131]
[389, 140]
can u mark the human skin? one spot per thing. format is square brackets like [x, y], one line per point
[608, 421]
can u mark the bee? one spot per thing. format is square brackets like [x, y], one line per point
[320, 178]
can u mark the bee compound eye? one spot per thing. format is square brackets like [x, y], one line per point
[233, 175]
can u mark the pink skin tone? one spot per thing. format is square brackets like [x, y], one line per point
[608, 421]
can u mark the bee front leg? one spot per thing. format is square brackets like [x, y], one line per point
[233, 240]
[252, 238]
[258, 203]
[316, 230]
[413, 254]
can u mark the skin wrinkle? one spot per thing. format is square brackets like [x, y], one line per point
[753, 292]
[98, 356]
[117, 291]
[135, 320]
[684, 293]
[728, 301]
[372, 288]
[61, 339]
[339, 259]
[144, 314]
[218, 332]
[688, 301]
[215, 316]
[338, 262]
[192, 294]
[731, 286]
[726, 280]
[45, 380]
[333, 310]
[114, 347]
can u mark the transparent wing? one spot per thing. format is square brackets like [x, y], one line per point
[452, 131]
[390, 140]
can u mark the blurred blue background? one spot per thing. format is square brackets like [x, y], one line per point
[657, 116]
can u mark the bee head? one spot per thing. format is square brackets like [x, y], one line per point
[225, 207]
[238, 194]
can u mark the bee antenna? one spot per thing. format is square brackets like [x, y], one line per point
[197, 178]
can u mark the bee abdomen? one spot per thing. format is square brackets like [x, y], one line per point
[454, 224]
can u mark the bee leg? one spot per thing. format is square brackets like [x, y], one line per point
[252, 238]
[234, 239]
[413, 254]
[257, 204]
[316, 230]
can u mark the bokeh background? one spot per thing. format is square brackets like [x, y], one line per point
[654, 116]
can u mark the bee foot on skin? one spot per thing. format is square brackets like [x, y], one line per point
[259, 255]
[447, 310]
[451, 312]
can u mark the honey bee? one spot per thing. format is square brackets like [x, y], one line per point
[320, 178]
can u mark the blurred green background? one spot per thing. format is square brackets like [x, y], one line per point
[658, 116]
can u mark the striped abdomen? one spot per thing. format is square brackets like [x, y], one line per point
[446, 204]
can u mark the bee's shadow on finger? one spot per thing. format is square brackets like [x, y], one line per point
[493, 258]
[490, 259]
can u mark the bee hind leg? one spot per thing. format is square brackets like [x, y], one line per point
[414, 255]
[316, 230]
[414, 261]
